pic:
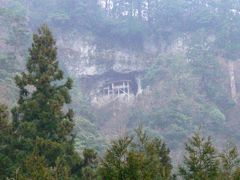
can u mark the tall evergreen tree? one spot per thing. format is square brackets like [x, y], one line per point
[89, 166]
[6, 164]
[201, 159]
[40, 122]
[140, 157]
[230, 164]
[41, 96]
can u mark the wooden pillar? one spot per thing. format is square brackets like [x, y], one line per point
[139, 86]
[128, 89]
[124, 87]
[113, 90]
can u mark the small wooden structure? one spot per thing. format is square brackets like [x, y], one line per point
[117, 88]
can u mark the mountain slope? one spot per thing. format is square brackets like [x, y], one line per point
[181, 56]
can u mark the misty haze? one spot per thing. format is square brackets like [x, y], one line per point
[119, 89]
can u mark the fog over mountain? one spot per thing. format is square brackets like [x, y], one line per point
[169, 66]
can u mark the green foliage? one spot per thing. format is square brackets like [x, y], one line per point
[206, 66]
[214, 115]
[39, 121]
[186, 92]
[36, 168]
[177, 103]
[41, 98]
[201, 161]
[113, 165]
[6, 163]
[90, 163]
[87, 136]
[230, 163]
[138, 157]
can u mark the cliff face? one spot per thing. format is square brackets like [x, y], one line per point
[94, 64]
[83, 56]
[169, 93]
[88, 60]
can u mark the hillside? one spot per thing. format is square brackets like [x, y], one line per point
[182, 64]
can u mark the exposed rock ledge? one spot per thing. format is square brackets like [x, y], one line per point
[81, 56]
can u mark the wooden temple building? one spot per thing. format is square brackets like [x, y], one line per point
[117, 88]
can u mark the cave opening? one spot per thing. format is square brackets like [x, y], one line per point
[111, 85]
[120, 84]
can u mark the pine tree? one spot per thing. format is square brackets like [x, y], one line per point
[6, 164]
[157, 162]
[201, 160]
[89, 166]
[139, 157]
[36, 168]
[40, 122]
[114, 164]
[42, 97]
[230, 164]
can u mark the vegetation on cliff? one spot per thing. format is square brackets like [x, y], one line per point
[196, 87]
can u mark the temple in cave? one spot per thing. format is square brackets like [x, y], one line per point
[122, 88]
[114, 86]
[117, 88]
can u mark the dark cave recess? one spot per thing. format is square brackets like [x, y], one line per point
[91, 83]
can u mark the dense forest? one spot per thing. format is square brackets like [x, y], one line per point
[181, 116]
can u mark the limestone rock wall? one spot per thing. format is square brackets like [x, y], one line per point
[82, 56]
